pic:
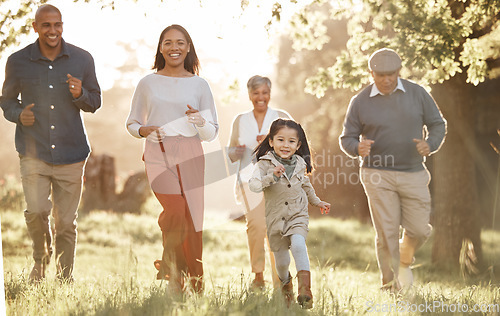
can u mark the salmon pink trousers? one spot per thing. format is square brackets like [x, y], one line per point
[175, 168]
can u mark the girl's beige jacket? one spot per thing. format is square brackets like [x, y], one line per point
[286, 200]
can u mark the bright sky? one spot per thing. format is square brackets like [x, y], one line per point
[231, 44]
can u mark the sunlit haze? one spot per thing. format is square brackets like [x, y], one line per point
[232, 45]
[226, 38]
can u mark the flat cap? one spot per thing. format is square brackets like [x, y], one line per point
[384, 60]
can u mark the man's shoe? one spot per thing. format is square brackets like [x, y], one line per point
[37, 273]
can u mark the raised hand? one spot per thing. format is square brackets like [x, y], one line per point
[27, 116]
[422, 147]
[75, 86]
[194, 116]
[279, 170]
[364, 147]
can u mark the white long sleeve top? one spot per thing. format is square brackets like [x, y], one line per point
[162, 101]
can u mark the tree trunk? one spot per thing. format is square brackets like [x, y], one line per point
[135, 193]
[99, 192]
[100, 189]
[456, 215]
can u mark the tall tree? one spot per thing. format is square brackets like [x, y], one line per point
[451, 46]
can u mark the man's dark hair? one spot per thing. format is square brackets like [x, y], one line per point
[46, 8]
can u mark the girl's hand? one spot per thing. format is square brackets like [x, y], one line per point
[194, 116]
[279, 170]
[324, 207]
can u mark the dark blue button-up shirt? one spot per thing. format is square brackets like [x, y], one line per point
[58, 135]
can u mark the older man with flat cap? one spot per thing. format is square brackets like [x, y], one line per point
[392, 125]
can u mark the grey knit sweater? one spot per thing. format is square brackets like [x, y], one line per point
[393, 121]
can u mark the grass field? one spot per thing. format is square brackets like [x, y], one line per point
[114, 273]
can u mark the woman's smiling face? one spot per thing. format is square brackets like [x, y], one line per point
[174, 48]
[260, 98]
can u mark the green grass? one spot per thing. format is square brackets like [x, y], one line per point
[114, 273]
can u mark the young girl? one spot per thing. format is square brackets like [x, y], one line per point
[283, 161]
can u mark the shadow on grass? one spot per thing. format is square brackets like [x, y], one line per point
[350, 244]
[341, 244]
[159, 301]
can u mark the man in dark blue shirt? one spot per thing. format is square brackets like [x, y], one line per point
[47, 85]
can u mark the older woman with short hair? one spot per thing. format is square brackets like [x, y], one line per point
[248, 130]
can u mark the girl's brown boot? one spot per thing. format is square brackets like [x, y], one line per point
[305, 297]
[287, 290]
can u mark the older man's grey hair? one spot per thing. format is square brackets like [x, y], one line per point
[256, 82]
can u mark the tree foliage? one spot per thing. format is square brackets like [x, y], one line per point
[17, 16]
[14, 21]
[437, 39]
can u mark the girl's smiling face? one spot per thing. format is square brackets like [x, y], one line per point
[285, 142]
